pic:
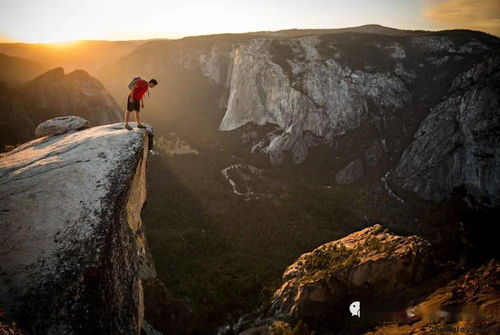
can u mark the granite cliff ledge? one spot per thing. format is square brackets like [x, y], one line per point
[73, 253]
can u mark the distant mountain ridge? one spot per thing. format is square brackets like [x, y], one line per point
[18, 70]
[288, 33]
[88, 55]
[49, 95]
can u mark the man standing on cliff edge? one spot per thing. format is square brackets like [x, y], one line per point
[135, 100]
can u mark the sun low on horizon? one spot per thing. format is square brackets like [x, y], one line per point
[58, 21]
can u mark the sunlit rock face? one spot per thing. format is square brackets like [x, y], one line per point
[214, 62]
[458, 143]
[306, 93]
[73, 253]
[325, 86]
[367, 263]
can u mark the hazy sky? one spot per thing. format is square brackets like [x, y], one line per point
[62, 20]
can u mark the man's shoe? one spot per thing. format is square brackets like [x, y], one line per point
[140, 125]
[128, 127]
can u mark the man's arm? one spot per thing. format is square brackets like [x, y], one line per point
[142, 102]
[131, 94]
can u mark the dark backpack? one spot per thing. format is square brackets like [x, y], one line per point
[133, 81]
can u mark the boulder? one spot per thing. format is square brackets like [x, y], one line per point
[61, 125]
[73, 253]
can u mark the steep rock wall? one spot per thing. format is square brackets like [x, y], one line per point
[72, 250]
[318, 95]
[458, 143]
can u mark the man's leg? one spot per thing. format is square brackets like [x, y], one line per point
[137, 117]
[127, 114]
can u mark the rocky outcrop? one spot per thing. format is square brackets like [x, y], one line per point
[8, 326]
[364, 265]
[73, 253]
[458, 143]
[369, 265]
[51, 95]
[467, 304]
[396, 282]
[61, 125]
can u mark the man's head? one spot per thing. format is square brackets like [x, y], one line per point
[152, 83]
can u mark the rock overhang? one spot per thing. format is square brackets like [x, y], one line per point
[61, 199]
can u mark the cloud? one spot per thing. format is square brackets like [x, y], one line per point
[481, 15]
